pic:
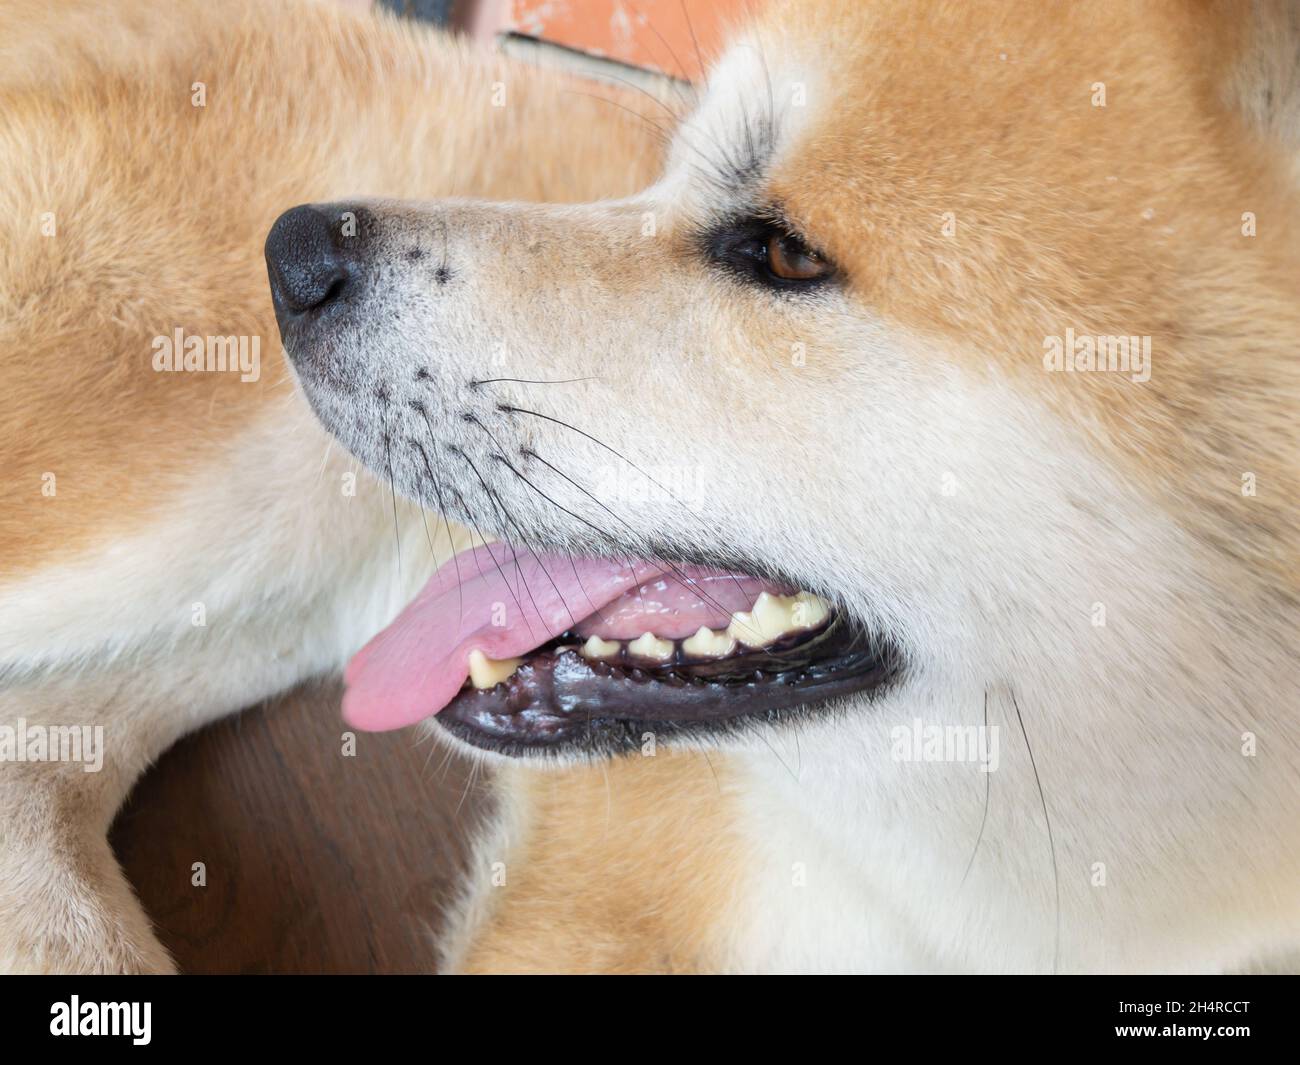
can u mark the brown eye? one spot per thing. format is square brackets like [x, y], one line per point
[789, 259]
[764, 250]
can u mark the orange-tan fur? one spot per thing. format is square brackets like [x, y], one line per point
[631, 867]
[161, 209]
[1117, 208]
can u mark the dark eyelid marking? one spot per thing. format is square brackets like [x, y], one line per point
[738, 246]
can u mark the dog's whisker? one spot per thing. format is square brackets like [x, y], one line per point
[487, 548]
[442, 508]
[513, 524]
[677, 574]
[392, 489]
[665, 136]
[1051, 839]
[527, 381]
[681, 84]
[695, 44]
[507, 408]
[681, 578]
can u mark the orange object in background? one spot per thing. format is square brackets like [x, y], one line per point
[675, 37]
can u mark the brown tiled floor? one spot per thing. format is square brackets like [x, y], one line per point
[315, 862]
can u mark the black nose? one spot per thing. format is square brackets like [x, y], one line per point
[310, 257]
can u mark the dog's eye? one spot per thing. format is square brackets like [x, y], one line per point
[792, 260]
[767, 252]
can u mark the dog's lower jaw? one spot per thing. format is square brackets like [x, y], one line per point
[926, 865]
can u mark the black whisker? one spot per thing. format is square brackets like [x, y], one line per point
[678, 575]
[502, 510]
[514, 555]
[473, 520]
[665, 137]
[678, 83]
[472, 420]
[442, 508]
[681, 577]
[506, 408]
[1051, 840]
[469, 518]
[392, 490]
[674, 115]
[695, 43]
[526, 381]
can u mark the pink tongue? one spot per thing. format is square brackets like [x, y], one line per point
[505, 605]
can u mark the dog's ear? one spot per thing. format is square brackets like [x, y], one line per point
[1262, 80]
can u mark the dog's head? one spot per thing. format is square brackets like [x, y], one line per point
[904, 383]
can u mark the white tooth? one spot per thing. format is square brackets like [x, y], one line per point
[648, 645]
[487, 672]
[743, 629]
[709, 644]
[809, 610]
[595, 647]
[774, 614]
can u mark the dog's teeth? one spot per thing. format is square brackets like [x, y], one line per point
[744, 630]
[487, 672]
[809, 610]
[648, 645]
[597, 648]
[706, 643]
[772, 616]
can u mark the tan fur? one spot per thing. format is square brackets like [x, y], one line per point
[162, 207]
[623, 868]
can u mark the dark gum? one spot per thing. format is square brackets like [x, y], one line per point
[556, 695]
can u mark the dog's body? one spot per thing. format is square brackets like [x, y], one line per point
[1153, 826]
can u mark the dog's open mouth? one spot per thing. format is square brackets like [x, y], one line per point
[517, 650]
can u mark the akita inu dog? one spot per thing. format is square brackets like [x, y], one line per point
[877, 538]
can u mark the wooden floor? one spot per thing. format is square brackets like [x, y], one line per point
[315, 862]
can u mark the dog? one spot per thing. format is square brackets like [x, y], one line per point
[875, 541]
